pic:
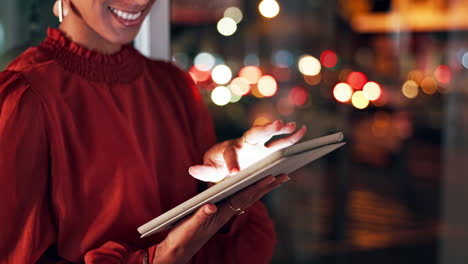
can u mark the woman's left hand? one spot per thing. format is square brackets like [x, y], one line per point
[228, 157]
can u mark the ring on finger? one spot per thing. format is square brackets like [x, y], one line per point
[239, 211]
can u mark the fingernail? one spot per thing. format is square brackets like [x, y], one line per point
[234, 170]
[286, 180]
[210, 209]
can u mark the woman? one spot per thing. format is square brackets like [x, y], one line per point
[96, 140]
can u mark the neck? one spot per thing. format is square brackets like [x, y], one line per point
[79, 32]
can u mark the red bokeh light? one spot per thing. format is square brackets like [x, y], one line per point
[298, 96]
[200, 76]
[356, 80]
[443, 74]
[329, 59]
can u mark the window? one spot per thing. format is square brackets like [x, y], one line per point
[390, 74]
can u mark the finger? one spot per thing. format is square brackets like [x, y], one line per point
[231, 159]
[279, 180]
[288, 141]
[253, 193]
[208, 173]
[197, 220]
[261, 134]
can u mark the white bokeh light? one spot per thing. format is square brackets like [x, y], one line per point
[227, 26]
[309, 65]
[221, 74]
[221, 95]
[234, 13]
[465, 60]
[269, 8]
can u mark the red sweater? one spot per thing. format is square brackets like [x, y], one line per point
[92, 146]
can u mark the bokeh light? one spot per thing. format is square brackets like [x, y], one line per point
[251, 73]
[204, 61]
[309, 65]
[416, 75]
[221, 95]
[284, 107]
[235, 13]
[313, 80]
[283, 58]
[464, 60]
[234, 97]
[267, 85]
[255, 92]
[342, 92]
[269, 8]
[372, 91]
[329, 59]
[359, 100]
[298, 96]
[251, 60]
[429, 85]
[356, 80]
[221, 74]
[443, 74]
[381, 124]
[200, 76]
[410, 89]
[240, 86]
[226, 26]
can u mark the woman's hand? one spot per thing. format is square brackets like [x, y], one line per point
[187, 237]
[230, 156]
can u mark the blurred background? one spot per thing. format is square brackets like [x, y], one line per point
[391, 74]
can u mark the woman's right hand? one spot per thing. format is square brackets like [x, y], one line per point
[187, 237]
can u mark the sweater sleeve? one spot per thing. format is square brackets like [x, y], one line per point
[27, 228]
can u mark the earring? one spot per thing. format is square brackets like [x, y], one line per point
[60, 10]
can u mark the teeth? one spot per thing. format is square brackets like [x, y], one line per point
[126, 15]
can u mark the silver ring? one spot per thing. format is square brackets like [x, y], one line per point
[239, 211]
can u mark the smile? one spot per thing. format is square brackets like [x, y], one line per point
[126, 15]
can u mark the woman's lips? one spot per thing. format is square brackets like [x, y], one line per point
[127, 19]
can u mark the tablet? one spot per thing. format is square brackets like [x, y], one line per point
[285, 160]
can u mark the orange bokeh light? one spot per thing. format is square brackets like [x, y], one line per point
[240, 86]
[251, 73]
